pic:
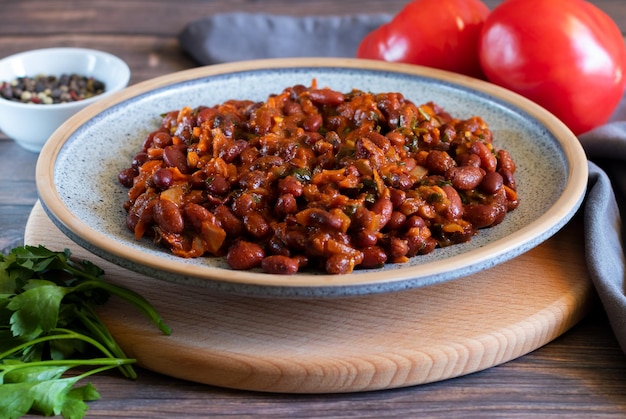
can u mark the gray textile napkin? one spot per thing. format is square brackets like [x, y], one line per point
[605, 201]
[231, 37]
[241, 36]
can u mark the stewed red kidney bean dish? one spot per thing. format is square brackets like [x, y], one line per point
[316, 179]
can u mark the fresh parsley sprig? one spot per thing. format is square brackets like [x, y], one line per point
[49, 325]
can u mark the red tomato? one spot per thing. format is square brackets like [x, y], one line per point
[434, 33]
[566, 55]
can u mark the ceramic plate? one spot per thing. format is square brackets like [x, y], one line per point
[77, 171]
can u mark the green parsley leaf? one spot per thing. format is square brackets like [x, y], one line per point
[47, 397]
[75, 406]
[47, 316]
[15, 400]
[36, 310]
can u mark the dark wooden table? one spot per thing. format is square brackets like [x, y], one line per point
[581, 374]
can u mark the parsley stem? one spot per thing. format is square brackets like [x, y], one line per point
[126, 370]
[60, 333]
[100, 369]
[92, 322]
[107, 362]
[130, 296]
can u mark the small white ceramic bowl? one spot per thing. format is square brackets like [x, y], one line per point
[30, 125]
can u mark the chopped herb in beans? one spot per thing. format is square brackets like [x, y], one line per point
[316, 179]
[49, 89]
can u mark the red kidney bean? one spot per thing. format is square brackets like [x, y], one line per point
[218, 185]
[487, 160]
[161, 139]
[326, 97]
[418, 245]
[168, 216]
[465, 177]
[290, 185]
[505, 161]
[244, 255]
[148, 141]
[470, 159]
[292, 108]
[383, 207]
[455, 208]
[396, 138]
[319, 217]
[132, 218]
[403, 181]
[481, 215]
[500, 211]
[362, 219]
[397, 197]
[380, 140]
[244, 204]
[365, 238]
[248, 156]
[163, 178]
[438, 162]
[253, 180]
[397, 247]
[280, 265]
[169, 120]
[206, 114]
[312, 122]
[139, 160]
[229, 221]
[126, 177]
[296, 239]
[196, 215]
[286, 204]
[396, 221]
[339, 264]
[233, 150]
[174, 156]
[256, 225]
[491, 183]
[447, 133]
[415, 221]
[275, 246]
[373, 257]
[507, 178]
[198, 179]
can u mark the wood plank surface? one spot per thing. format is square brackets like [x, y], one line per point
[339, 345]
[581, 374]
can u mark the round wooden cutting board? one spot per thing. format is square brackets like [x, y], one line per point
[348, 344]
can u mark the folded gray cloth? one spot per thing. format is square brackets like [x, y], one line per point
[231, 37]
[606, 149]
[240, 36]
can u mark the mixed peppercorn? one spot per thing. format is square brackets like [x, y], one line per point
[48, 89]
